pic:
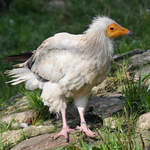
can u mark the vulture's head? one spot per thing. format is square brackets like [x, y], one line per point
[108, 27]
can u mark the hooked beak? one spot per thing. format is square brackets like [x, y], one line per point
[120, 31]
[131, 33]
[115, 30]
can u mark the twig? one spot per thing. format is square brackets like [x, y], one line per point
[142, 141]
[122, 145]
[129, 130]
[128, 54]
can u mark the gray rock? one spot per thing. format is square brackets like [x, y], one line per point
[96, 89]
[107, 105]
[18, 104]
[140, 62]
[143, 128]
[42, 142]
[145, 138]
[142, 72]
[141, 65]
[12, 137]
[111, 122]
[18, 117]
[143, 122]
[119, 57]
[140, 59]
[96, 108]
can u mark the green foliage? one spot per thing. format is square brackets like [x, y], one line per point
[6, 90]
[26, 7]
[2, 147]
[35, 103]
[136, 95]
[5, 127]
[123, 137]
[121, 72]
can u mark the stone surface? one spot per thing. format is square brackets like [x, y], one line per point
[143, 122]
[17, 112]
[140, 64]
[95, 90]
[95, 108]
[42, 142]
[12, 137]
[141, 59]
[146, 138]
[142, 72]
[18, 117]
[143, 128]
[134, 52]
[18, 103]
[111, 122]
[109, 105]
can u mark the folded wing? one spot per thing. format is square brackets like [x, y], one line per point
[58, 60]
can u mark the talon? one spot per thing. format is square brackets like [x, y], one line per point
[85, 130]
[64, 132]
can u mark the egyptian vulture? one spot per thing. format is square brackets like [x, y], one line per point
[67, 65]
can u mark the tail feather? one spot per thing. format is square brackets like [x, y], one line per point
[16, 81]
[23, 72]
[18, 58]
[20, 75]
[17, 71]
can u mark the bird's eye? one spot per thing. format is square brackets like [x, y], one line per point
[111, 28]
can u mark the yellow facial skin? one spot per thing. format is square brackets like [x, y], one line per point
[115, 30]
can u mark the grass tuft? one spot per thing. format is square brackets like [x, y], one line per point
[136, 95]
[36, 104]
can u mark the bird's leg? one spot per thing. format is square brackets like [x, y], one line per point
[65, 129]
[83, 126]
[81, 103]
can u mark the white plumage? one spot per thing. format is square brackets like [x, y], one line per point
[70, 65]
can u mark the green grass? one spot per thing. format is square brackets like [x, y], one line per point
[4, 127]
[137, 96]
[6, 90]
[122, 137]
[36, 104]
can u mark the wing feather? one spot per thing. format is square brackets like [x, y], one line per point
[60, 41]
[57, 60]
[70, 70]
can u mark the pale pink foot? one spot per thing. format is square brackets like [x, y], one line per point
[64, 132]
[65, 129]
[84, 129]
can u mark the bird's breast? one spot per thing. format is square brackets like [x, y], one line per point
[101, 71]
